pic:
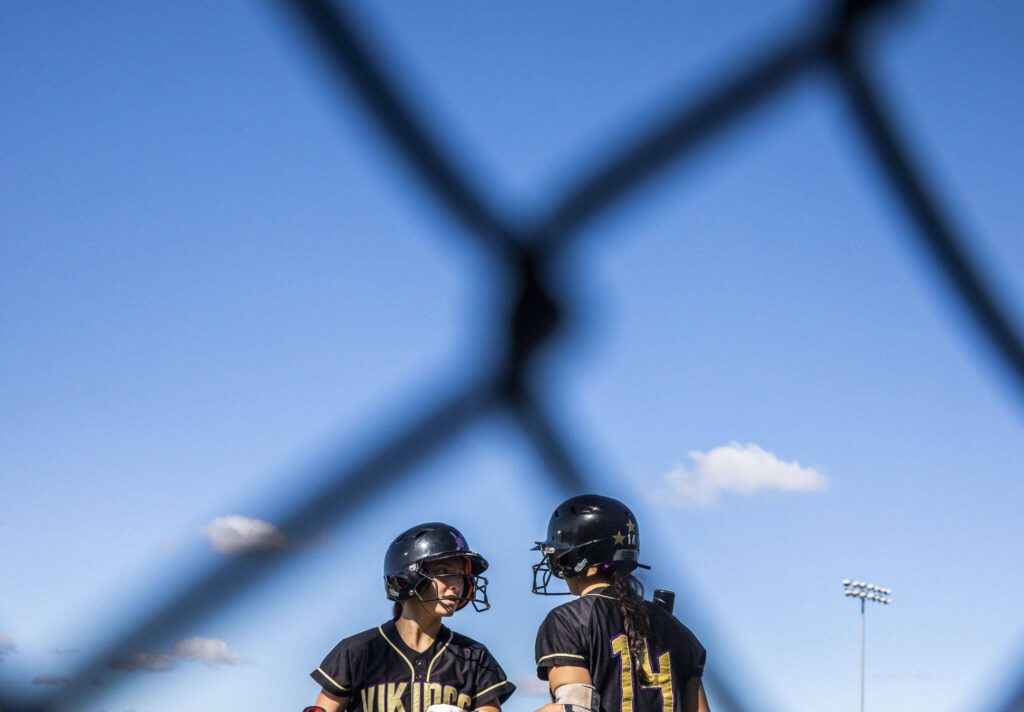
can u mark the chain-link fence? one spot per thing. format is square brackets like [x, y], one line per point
[530, 258]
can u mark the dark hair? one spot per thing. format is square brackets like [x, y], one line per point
[629, 593]
[396, 611]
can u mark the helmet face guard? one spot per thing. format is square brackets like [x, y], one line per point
[474, 587]
[556, 561]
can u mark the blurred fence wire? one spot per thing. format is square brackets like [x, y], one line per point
[535, 310]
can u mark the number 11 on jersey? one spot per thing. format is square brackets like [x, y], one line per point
[660, 678]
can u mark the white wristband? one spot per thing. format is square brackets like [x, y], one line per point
[578, 697]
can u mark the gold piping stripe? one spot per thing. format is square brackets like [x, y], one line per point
[561, 655]
[332, 680]
[412, 670]
[503, 682]
[601, 595]
[430, 667]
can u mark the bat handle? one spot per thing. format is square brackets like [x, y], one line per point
[665, 599]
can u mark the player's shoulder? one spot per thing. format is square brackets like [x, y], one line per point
[579, 605]
[576, 612]
[361, 640]
[371, 634]
[465, 647]
[464, 642]
[666, 622]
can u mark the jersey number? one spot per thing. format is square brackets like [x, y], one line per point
[660, 679]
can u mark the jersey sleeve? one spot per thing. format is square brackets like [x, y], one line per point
[335, 673]
[698, 655]
[491, 683]
[560, 642]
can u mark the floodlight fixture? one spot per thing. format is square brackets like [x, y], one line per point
[865, 592]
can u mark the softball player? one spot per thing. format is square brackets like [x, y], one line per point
[609, 650]
[413, 663]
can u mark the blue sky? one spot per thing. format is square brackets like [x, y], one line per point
[218, 276]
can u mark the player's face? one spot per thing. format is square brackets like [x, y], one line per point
[448, 582]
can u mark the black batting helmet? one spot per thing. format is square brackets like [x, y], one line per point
[404, 575]
[584, 531]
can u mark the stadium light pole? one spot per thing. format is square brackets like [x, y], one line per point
[864, 591]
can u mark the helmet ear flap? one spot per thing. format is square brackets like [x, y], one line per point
[419, 586]
[395, 587]
[565, 564]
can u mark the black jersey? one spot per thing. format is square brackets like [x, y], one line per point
[380, 673]
[587, 632]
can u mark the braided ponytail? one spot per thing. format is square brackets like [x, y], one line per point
[629, 593]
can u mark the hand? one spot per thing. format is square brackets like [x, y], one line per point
[551, 707]
[444, 708]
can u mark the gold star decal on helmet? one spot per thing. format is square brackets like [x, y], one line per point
[631, 526]
[618, 538]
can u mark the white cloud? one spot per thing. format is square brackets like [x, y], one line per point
[49, 678]
[211, 651]
[7, 646]
[736, 469]
[243, 535]
[143, 661]
[208, 650]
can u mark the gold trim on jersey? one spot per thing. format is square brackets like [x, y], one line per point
[561, 655]
[477, 695]
[601, 595]
[332, 680]
[412, 670]
[444, 647]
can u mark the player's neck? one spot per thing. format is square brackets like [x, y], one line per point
[418, 629]
[593, 587]
[582, 586]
